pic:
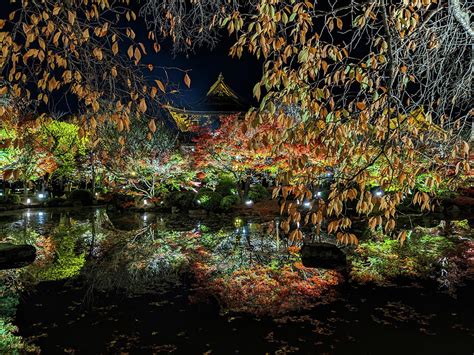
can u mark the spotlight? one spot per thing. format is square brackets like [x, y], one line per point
[28, 201]
[40, 196]
[145, 202]
[307, 204]
[249, 203]
[378, 192]
[318, 194]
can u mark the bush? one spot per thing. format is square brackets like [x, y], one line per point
[120, 200]
[229, 201]
[258, 193]
[82, 196]
[387, 260]
[181, 199]
[10, 199]
[210, 200]
[226, 186]
[56, 202]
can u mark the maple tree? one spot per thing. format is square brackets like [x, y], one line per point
[361, 105]
[244, 151]
[148, 166]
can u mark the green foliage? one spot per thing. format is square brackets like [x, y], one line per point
[210, 200]
[229, 201]
[60, 257]
[226, 185]
[9, 342]
[387, 260]
[82, 196]
[464, 224]
[64, 144]
[258, 193]
[10, 199]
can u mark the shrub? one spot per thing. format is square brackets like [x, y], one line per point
[181, 199]
[226, 185]
[120, 200]
[82, 196]
[56, 202]
[258, 193]
[229, 201]
[387, 260]
[210, 200]
[10, 199]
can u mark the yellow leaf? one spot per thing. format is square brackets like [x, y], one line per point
[138, 55]
[152, 126]
[71, 16]
[142, 106]
[160, 85]
[256, 91]
[115, 48]
[187, 80]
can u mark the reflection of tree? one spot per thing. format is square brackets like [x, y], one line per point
[250, 245]
[135, 261]
[61, 255]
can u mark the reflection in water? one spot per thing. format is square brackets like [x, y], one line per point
[244, 266]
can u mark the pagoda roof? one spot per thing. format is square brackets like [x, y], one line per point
[220, 99]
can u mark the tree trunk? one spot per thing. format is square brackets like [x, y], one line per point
[246, 187]
[93, 176]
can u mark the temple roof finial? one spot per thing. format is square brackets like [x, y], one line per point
[221, 76]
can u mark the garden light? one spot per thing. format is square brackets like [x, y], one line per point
[378, 193]
[307, 204]
[249, 203]
[145, 202]
[28, 201]
[40, 196]
[318, 194]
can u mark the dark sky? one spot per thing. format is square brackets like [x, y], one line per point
[205, 65]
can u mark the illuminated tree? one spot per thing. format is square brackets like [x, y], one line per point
[62, 141]
[147, 163]
[397, 102]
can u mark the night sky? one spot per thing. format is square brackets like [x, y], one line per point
[205, 65]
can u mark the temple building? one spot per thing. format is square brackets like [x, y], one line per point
[219, 101]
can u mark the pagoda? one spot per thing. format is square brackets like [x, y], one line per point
[219, 101]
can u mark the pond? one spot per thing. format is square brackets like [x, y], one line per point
[110, 282]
